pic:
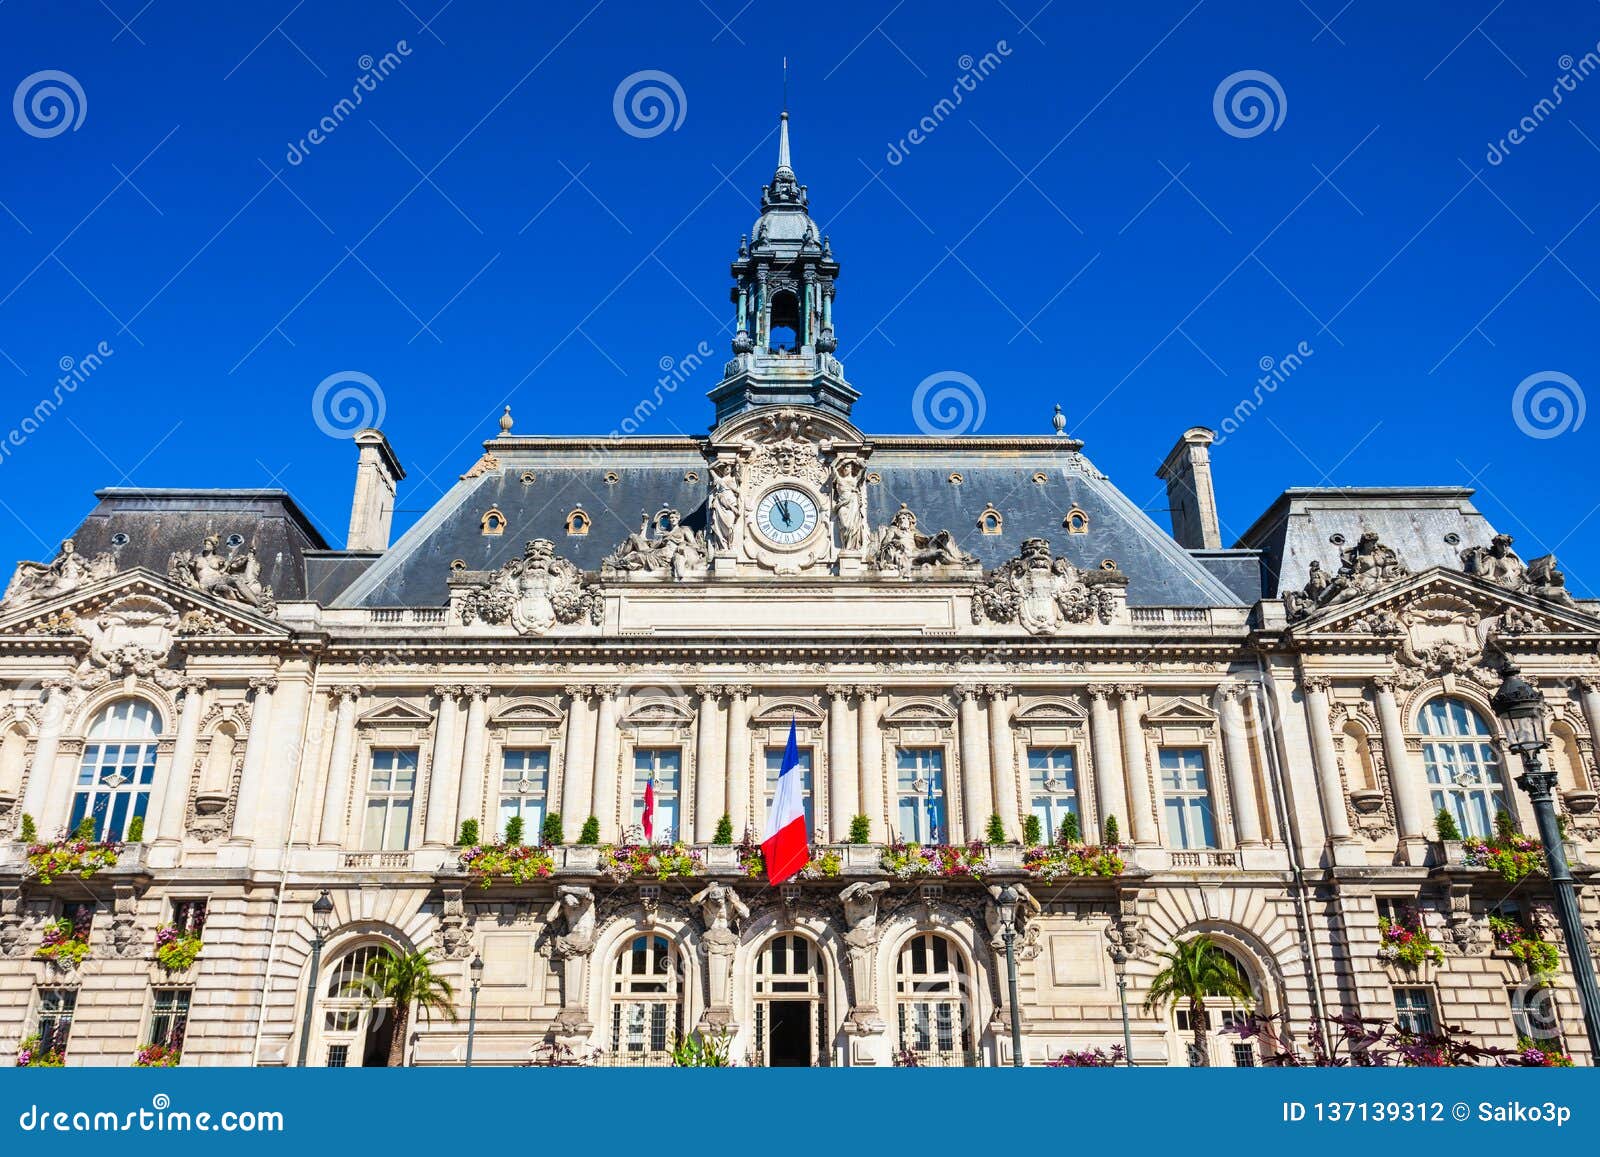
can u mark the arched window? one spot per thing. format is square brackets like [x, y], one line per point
[791, 1012]
[931, 1002]
[1463, 769]
[354, 1033]
[646, 1001]
[119, 765]
[1224, 1046]
[783, 333]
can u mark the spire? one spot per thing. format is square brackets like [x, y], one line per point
[783, 144]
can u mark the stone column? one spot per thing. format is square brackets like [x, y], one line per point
[313, 758]
[1241, 771]
[710, 784]
[474, 749]
[255, 759]
[577, 777]
[869, 715]
[173, 794]
[1410, 801]
[1136, 764]
[605, 764]
[444, 770]
[1589, 689]
[977, 799]
[336, 796]
[283, 766]
[739, 763]
[844, 795]
[1002, 761]
[1110, 796]
[36, 800]
[1329, 787]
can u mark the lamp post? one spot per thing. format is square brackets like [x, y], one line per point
[1006, 904]
[476, 968]
[1119, 958]
[1520, 708]
[321, 917]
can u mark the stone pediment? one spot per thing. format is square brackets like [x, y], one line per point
[142, 595]
[1057, 711]
[396, 713]
[1438, 600]
[1181, 711]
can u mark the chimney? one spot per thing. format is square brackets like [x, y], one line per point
[372, 510]
[1187, 472]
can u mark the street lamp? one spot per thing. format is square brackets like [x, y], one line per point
[1119, 958]
[1006, 904]
[321, 918]
[476, 968]
[1520, 708]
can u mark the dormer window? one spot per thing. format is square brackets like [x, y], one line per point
[577, 522]
[1076, 521]
[991, 521]
[493, 521]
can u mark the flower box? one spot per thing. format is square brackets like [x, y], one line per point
[1406, 944]
[66, 941]
[155, 1056]
[1057, 861]
[71, 857]
[580, 857]
[948, 861]
[650, 861]
[35, 1054]
[176, 949]
[518, 863]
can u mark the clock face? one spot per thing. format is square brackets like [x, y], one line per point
[786, 516]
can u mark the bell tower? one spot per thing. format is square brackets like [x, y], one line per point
[783, 299]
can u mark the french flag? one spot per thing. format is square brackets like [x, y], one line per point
[784, 845]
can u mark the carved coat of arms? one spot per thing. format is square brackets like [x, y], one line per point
[534, 593]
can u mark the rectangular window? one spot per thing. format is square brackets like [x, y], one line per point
[919, 793]
[1244, 1056]
[1396, 909]
[114, 781]
[664, 765]
[56, 1006]
[774, 766]
[1186, 795]
[1053, 787]
[1413, 1010]
[338, 1056]
[189, 916]
[525, 789]
[169, 1018]
[1534, 1016]
[390, 792]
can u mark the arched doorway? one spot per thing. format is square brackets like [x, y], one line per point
[791, 1007]
[1225, 1048]
[933, 1005]
[646, 1002]
[355, 1033]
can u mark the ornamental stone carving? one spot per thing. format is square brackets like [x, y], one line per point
[454, 940]
[724, 506]
[1499, 564]
[850, 503]
[861, 913]
[533, 593]
[34, 582]
[575, 908]
[1367, 566]
[125, 923]
[1027, 942]
[720, 909]
[674, 550]
[232, 577]
[1044, 594]
[899, 548]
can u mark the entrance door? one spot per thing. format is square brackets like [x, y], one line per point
[789, 1034]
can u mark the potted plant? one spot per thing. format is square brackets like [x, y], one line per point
[75, 854]
[1515, 938]
[66, 940]
[33, 1053]
[516, 862]
[650, 861]
[1405, 942]
[157, 1056]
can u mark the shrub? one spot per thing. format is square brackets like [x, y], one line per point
[860, 830]
[30, 831]
[1406, 942]
[32, 1053]
[1089, 1059]
[514, 831]
[824, 867]
[469, 834]
[85, 829]
[1113, 834]
[724, 836]
[1071, 830]
[136, 830]
[1504, 826]
[1032, 831]
[550, 832]
[66, 941]
[1445, 825]
[591, 832]
[1540, 956]
[176, 949]
[996, 833]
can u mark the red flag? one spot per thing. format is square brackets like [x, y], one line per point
[650, 810]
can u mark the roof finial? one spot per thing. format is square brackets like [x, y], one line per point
[783, 125]
[1059, 421]
[505, 423]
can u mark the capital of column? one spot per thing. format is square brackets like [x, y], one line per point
[969, 690]
[578, 692]
[477, 691]
[840, 691]
[51, 686]
[1386, 682]
[191, 685]
[605, 690]
[997, 690]
[448, 691]
[267, 683]
[1100, 690]
[710, 692]
[336, 695]
[869, 690]
[738, 690]
[1316, 684]
[1588, 684]
[1234, 692]
[1130, 690]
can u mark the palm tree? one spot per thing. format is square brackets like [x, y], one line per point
[404, 980]
[1195, 969]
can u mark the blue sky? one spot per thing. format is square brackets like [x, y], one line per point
[1082, 229]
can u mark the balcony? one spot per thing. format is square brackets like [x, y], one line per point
[374, 861]
[1205, 860]
[936, 1059]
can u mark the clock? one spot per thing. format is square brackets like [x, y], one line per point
[786, 516]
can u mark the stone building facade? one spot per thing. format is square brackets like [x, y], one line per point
[963, 631]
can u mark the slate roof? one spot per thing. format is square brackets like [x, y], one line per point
[159, 523]
[1417, 522]
[650, 473]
